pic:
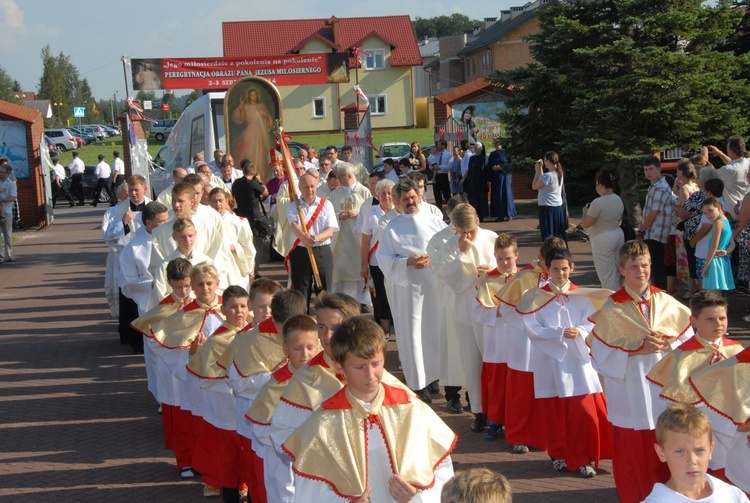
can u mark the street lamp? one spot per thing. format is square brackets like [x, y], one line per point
[57, 105]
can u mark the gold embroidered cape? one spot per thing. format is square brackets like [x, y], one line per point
[330, 446]
[725, 387]
[180, 329]
[268, 397]
[522, 282]
[489, 287]
[167, 307]
[620, 324]
[673, 371]
[203, 363]
[259, 351]
[537, 298]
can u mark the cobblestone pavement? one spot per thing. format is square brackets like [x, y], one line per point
[77, 423]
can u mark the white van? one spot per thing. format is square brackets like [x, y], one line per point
[200, 128]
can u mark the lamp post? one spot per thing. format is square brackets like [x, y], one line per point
[116, 112]
[58, 105]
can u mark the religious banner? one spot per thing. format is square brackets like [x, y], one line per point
[14, 148]
[220, 73]
[251, 108]
[482, 120]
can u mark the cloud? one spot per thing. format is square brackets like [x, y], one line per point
[11, 15]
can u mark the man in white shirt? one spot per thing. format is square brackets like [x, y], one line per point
[320, 225]
[390, 172]
[440, 163]
[103, 173]
[8, 195]
[735, 173]
[214, 165]
[302, 156]
[76, 168]
[228, 173]
[58, 179]
[118, 169]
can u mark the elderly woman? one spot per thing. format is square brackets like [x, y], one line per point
[476, 181]
[549, 184]
[602, 218]
[369, 245]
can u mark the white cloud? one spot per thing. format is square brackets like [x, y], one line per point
[11, 15]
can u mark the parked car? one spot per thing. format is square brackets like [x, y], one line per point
[295, 147]
[53, 150]
[161, 156]
[393, 150]
[426, 152]
[62, 138]
[87, 138]
[100, 131]
[112, 131]
[161, 129]
[89, 184]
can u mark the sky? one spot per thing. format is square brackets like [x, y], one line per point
[97, 34]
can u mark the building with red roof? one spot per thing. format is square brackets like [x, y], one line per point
[386, 72]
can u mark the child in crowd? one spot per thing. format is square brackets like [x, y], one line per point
[300, 336]
[684, 442]
[454, 175]
[715, 267]
[486, 311]
[260, 352]
[556, 321]
[184, 233]
[218, 452]
[708, 316]
[175, 336]
[723, 388]
[404, 448]
[477, 485]
[637, 326]
[524, 417]
[713, 187]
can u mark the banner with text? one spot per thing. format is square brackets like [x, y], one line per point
[220, 73]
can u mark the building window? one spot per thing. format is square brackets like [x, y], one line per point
[377, 104]
[319, 108]
[375, 59]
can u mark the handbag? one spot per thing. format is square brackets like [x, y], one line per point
[264, 225]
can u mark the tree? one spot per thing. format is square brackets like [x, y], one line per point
[8, 88]
[145, 96]
[443, 26]
[617, 80]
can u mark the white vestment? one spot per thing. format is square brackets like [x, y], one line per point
[240, 264]
[161, 286]
[414, 302]
[451, 368]
[347, 241]
[722, 493]
[459, 271]
[732, 450]
[135, 280]
[282, 233]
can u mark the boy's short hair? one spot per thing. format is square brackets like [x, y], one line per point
[358, 336]
[455, 201]
[347, 305]
[705, 298]
[652, 161]
[557, 254]
[152, 209]
[715, 186]
[178, 269]
[464, 217]
[218, 190]
[331, 175]
[204, 268]
[632, 250]
[286, 304]
[505, 240]
[711, 201]
[265, 286]
[180, 224]
[682, 418]
[136, 180]
[551, 242]
[298, 323]
[194, 179]
[234, 292]
[477, 485]
[183, 188]
[416, 176]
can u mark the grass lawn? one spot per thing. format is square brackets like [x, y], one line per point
[89, 153]
[423, 135]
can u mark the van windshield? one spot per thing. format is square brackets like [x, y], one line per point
[220, 140]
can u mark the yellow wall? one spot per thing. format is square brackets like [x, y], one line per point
[394, 82]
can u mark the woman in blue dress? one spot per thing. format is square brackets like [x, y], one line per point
[549, 184]
[717, 273]
[502, 204]
[475, 181]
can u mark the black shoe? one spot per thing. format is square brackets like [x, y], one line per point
[424, 395]
[364, 309]
[80, 204]
[454, 406]
[72, 204]
[434, 387]
[479, 423]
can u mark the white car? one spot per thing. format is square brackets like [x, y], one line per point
[62, 139]
[394, 150]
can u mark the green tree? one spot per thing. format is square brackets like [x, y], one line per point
[8, 88]
[617, 80]
[443, 26]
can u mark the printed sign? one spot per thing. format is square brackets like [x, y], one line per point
[220, 73]
[79, 112]
[482, 119]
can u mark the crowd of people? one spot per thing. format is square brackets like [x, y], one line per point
[258, 398]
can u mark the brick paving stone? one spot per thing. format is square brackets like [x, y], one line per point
[77, 423]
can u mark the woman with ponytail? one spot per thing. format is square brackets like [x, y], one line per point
[552, 219]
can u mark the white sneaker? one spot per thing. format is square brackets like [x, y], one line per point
[587, 471]
[560, 465]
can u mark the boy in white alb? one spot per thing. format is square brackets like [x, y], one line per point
[685, 444]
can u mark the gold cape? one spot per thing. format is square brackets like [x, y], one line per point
[536, 298]
[330, 446]
[489, 287]
[167, 307]
[674, 370]
[261, 411]
[259, 350]
[522, 282]
[180, 329]
[725, 387]
[620, 324]
[203, 363]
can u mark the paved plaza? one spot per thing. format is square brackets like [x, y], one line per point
[78, 424]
